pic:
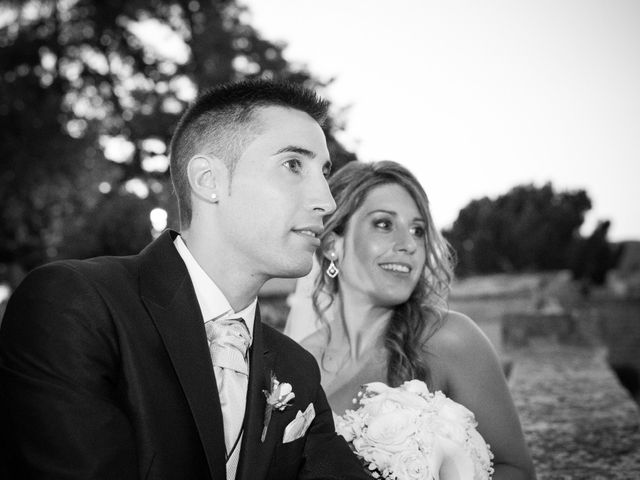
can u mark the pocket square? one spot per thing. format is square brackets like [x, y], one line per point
[299, 425]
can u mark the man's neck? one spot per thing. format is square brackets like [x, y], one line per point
[238, 286]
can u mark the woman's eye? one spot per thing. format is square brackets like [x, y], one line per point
[382, 224]
[326, 171]
[294, 165]
[418, 232]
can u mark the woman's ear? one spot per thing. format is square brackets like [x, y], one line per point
[204, 175]
[332, 247]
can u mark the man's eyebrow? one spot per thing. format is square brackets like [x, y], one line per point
[298, 150]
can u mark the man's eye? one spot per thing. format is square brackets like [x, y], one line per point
[326, 171]
[294, 165]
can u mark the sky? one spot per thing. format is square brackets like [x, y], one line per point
[476, 97]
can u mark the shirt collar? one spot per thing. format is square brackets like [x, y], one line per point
[213, 304]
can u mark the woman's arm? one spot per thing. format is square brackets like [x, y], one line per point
[466, 367]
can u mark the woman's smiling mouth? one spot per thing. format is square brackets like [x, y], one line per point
[396, 267]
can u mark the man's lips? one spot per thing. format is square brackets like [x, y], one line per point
[312, 231]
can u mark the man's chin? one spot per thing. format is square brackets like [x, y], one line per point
[297, 270]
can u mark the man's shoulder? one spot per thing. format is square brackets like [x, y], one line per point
[293, 363]
[97, 267]
[73, 273]
[284, 344]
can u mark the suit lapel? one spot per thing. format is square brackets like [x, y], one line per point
[168, 294]
[255, 455]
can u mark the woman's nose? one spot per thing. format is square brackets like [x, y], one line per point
[405, 241]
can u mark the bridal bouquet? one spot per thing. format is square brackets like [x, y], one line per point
[408, 433]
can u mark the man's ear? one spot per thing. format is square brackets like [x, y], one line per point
[331, 246]
[205, 174]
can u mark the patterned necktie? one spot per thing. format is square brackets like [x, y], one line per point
[228, 343]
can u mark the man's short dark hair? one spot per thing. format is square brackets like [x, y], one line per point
[221, 123]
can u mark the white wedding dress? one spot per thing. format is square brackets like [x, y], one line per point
[456, 461]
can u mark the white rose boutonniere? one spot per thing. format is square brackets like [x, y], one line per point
[409, 433]
[277, 398]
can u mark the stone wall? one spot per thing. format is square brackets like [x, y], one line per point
[579, 421]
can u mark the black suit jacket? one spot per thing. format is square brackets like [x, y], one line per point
[105, 374]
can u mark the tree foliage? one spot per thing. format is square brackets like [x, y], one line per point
[79, 76]
[527, 229]
[594, 256]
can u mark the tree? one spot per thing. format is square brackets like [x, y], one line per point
[593, 257]
[529, 228]
[82, 77]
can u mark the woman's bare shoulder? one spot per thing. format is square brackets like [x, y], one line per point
[459, 345]
[457, 332]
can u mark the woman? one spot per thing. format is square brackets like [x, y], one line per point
[380, 295]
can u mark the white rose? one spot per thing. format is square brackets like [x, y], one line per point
[376, 388]
[391, 432]
[482, 456]
[412, 464]
[344, 429]
[381, 405]
[416, 387]
[452, 420]
[284, 389]
[349, 425]
[454, 411]
[454, 431]
[456, 460]
[391, 400]
[377, 458]
[404, 396]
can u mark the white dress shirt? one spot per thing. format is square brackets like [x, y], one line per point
[213, 304]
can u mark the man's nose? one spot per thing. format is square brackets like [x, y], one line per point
[321, 199]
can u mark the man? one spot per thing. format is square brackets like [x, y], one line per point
[110, 366]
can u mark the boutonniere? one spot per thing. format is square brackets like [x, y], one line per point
[278, 397]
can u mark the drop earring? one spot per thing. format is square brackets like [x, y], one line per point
[332, 270]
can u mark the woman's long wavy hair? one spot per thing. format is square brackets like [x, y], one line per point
[414, 321]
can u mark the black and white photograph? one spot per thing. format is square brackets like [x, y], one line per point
[291, 239]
